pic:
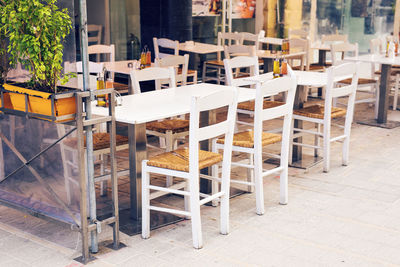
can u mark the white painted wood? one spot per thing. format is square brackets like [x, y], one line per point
[303, 45]
[239, 50]
[177, 62]
[200, 48]
[298, 33]
[103, 49]
[165, 43]
[161, 104]
[160, 75]
[288, 85]
[224, 97]
[95, 32]
[333, 90]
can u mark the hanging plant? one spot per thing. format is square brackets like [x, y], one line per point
[36, 30]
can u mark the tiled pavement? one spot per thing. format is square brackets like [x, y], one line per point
[347, 217]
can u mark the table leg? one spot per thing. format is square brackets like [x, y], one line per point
[137, 153]
[383, 104]
[322, 57]
[321, 61]
[384, 93]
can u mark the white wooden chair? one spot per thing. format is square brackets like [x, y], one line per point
[252, 142]
[168, 130]
[298, 33]
[186, 163]
[366, 85]
[94, 34]
[376, 47]
[180, 64]
[328, 40]
[322, 115]
[212, 69]
[172, 47]
[300, 45]
[76, 67]
[109, 52]
[251, 63]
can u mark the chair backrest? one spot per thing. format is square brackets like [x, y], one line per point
[76, 67]
[376, 46]
[251, 39]
[103, 49]
[298, 33]
[237, 63]
[339, 50]
[228, 38]
[337, 73]
[178, 62]
[156, 74]
[334, 38]
[165, 44]
[239, 50]
[300, 44]
[94, 34]
[286, 85]
[222, 98]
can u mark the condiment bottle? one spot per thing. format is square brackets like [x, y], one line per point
[148, 58]
[284, 67]
[276, 69]
[100, 86]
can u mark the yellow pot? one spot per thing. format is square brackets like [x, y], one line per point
[40, 102]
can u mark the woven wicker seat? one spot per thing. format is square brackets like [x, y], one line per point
[216, 62]
[120, 87]
[179, 160]
[174, 125]
[317, 112]
[360, 81]
[100, 141]
[249, 105]
[246, 139]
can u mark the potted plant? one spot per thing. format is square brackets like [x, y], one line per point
[36, 30]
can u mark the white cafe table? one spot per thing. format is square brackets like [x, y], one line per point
[200, 48]
[384, 87]
[138, 109]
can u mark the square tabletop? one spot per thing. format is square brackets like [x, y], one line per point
[375, 58]
[304, 78]
[200, 48]
[160, 104]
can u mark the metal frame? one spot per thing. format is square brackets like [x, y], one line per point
[83, 124]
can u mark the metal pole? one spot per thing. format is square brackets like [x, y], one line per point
[89, 135]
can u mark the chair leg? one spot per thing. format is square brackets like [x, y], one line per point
[316, 139]
[214, 173]
[203, 75]
[290, 159]
[169, 147]
[195, 212]
[258, 180]
[376, 100]
[219, 76]
[225, 184]
[145, 201]
[346, 143]
[250, 174]
[195, 78]
[396, 92]
[327, 147]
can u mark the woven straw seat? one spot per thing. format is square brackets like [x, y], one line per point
[249, 105]
[174, 125]
[246, 139]
[179, 160]
[189, 71]
[317, 112]
[216, 62]
[120, 87]
[360, 81]
[100, 141]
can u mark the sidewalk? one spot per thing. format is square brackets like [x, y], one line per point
[347, 217]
